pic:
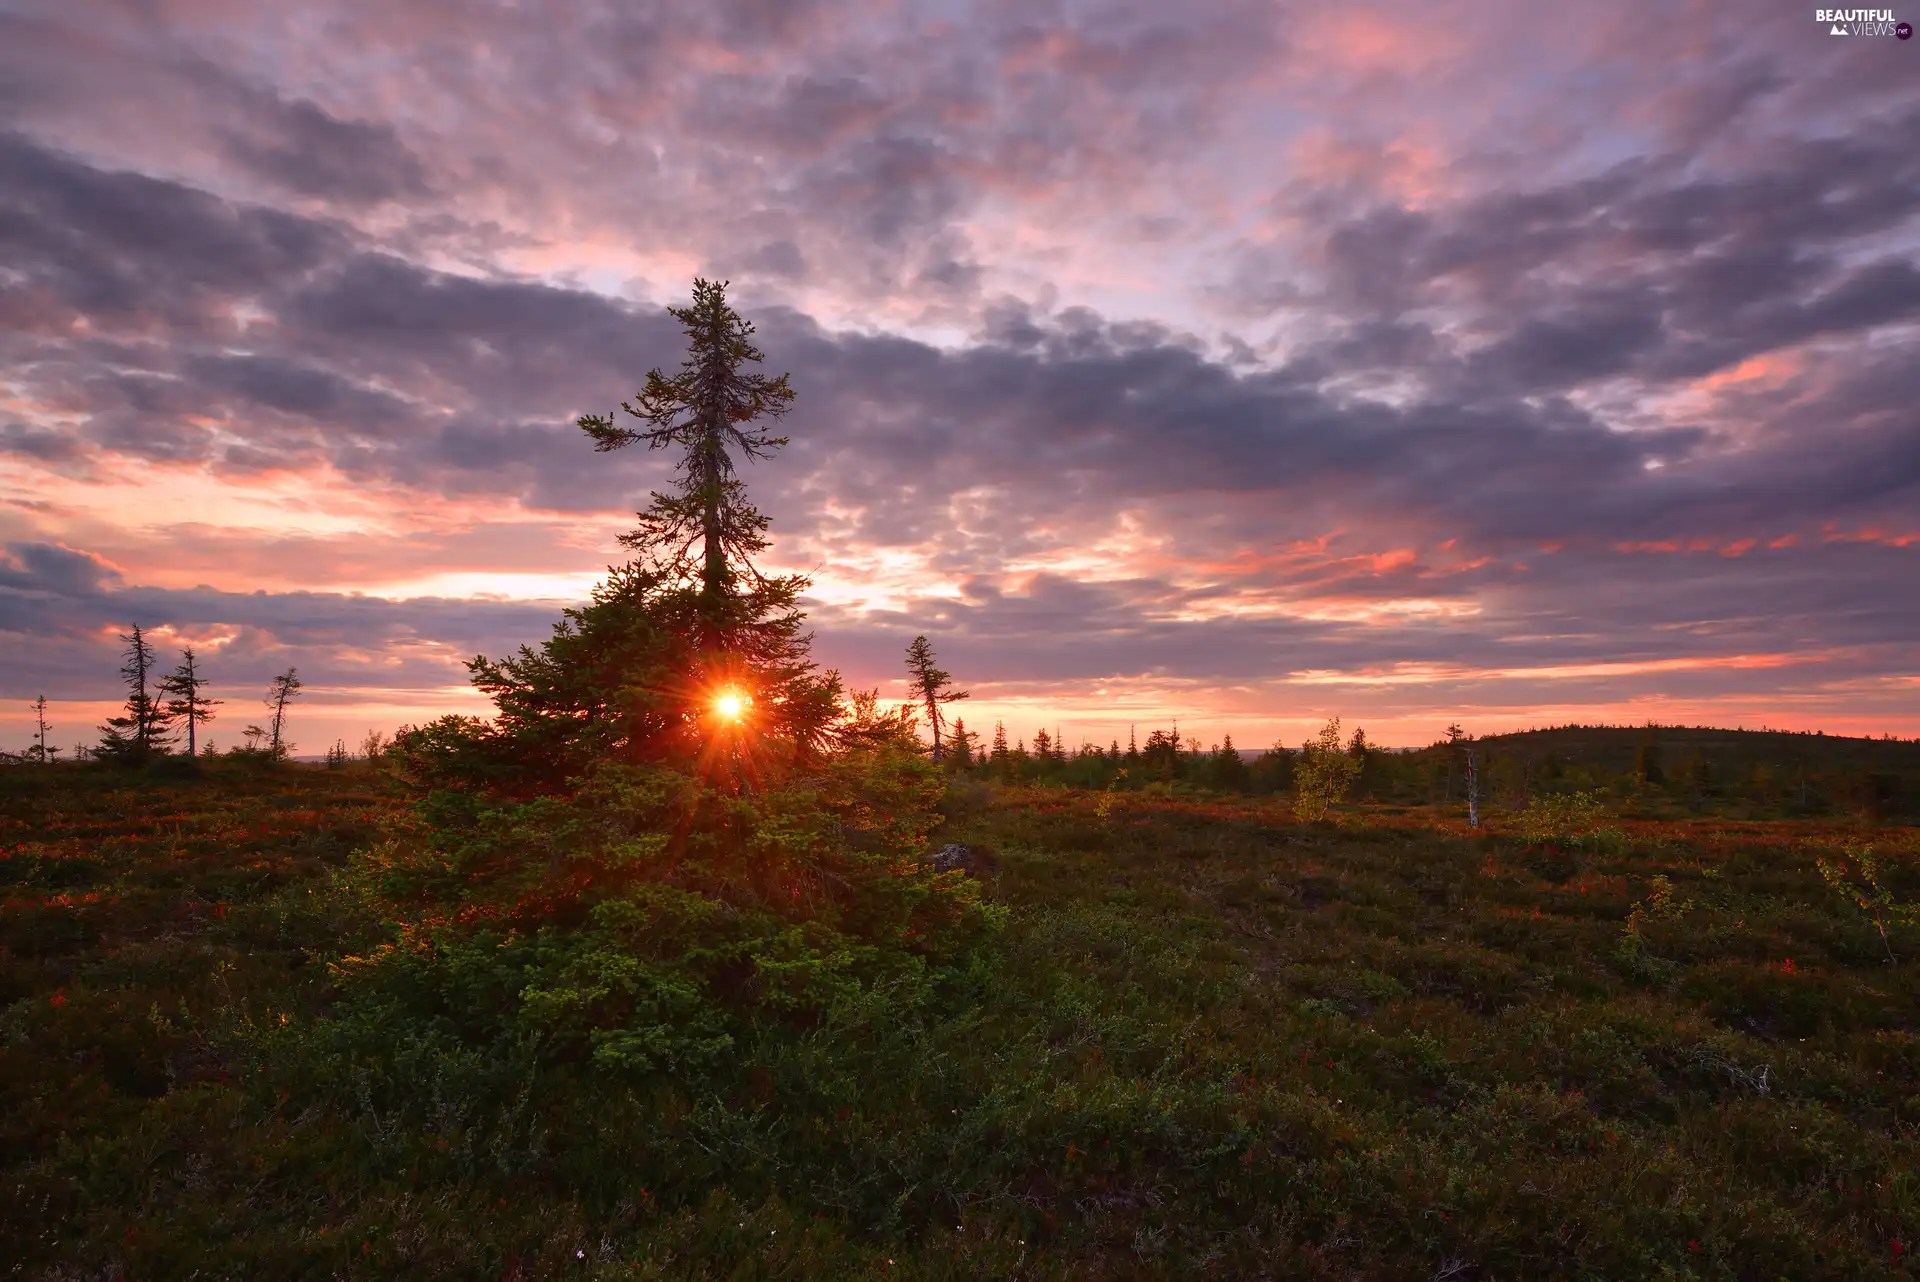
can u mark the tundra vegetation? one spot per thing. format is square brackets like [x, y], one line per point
[651, 975]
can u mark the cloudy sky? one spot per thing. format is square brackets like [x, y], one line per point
[1237, 362]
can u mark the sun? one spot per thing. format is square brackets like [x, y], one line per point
[730, 706]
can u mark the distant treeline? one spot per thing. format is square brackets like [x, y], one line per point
[1771, 771]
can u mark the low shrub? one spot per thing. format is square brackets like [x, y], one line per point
[1561, 819]
[633, 937]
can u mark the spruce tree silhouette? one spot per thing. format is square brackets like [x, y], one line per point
[932, 686]
[705, 410]
[141, 731]
[687, 654]
[186, 701]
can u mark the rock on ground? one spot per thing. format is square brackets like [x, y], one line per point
[952, 856]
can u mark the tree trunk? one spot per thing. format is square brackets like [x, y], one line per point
[1473, 792]
[714, 567]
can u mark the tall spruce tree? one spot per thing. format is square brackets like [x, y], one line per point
[626, 862]
[141, 730]
[686, 654]
[185, 702]
[932, 686]
[40, 750]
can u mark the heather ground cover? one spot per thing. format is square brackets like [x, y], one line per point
[1210, 1041]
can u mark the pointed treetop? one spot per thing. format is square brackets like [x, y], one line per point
[705, 410]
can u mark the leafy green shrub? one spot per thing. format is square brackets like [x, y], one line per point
[1860, 885]
[641, 929]
[1660, 905]
[1610, 843]
[1561, 819]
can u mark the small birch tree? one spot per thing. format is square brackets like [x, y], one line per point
[1322, 774]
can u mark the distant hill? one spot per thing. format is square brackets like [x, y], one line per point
[1662, 770]
[1616, 748]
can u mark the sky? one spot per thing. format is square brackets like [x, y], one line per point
[1235, 364]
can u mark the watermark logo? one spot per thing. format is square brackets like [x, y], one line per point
[1862, 22]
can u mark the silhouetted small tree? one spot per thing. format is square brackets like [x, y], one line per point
[931, 686]
[140, 731]
[284, 688]
[186, 703]
[1043, 747]
[1456, 754]
[962, 755]
[1229, 769]
[40, 751]
[1000, 758]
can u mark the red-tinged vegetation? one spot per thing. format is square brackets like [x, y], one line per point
[1214, 1042]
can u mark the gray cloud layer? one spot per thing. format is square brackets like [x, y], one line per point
[1511, 363]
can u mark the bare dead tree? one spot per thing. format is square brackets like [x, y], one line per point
[1473, 791]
